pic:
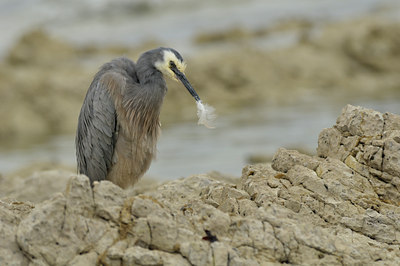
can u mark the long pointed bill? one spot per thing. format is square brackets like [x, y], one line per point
[187, 84]
[204, 112]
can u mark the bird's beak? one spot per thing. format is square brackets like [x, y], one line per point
[186, 83]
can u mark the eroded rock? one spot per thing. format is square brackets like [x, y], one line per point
[339, 208]
[11, 214]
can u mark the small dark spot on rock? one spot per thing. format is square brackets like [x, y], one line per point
[209, 236]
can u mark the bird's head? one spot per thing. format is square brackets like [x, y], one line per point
[170, 62]
[172, 65]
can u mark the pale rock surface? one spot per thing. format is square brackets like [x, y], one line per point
[11, 214]
[340, 208]
[34, 187]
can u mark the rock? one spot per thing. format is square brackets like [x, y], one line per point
[332, 144]
[84, 259]
[391, 156]
[197, 253]
[11, 214]
[109, 200]
[375, 153]
[392, 122]
[284, 159]
[34, 187]
[300, 175]
[60, 228]
[328, 142]
[373, 156]
[339, 208]
[141, 256]
[143, 206]
[358, 121]
[164, 231]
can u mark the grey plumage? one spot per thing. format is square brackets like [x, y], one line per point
[118, 125]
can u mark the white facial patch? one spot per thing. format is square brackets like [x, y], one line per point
[164, 66]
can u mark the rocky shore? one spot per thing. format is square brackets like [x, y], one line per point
[338, 208]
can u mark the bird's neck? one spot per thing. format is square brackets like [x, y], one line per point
[144, 103]
[152, 85]
[153, 89]
[148, 74]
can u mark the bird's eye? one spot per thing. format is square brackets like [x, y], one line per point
[172, 64]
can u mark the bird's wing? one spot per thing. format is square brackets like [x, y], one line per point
[97, 126]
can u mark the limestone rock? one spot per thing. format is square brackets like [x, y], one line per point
[84, 259]
[109, 200]
[375, 152]
[285, 159]
[391, 156]
[140, 256]
[60, 228]
[34, 187]
[11, 214]
[358, 121]
[339, 208]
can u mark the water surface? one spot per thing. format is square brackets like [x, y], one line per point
[187, 148]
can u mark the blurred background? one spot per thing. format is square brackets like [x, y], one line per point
[277, 72]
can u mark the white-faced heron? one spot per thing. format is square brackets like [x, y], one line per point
[119, 124]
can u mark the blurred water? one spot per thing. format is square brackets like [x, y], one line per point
[187, 149]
